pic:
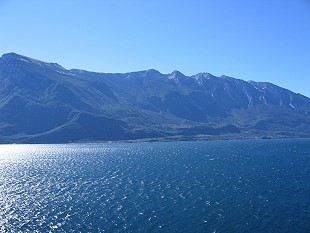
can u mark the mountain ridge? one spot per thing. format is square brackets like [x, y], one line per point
[44, 102]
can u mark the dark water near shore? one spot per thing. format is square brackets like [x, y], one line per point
[222, 186]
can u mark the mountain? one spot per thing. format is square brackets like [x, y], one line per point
[43, 102]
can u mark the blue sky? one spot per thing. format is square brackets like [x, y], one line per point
[262, 40]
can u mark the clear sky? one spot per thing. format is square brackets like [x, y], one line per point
[260, 40]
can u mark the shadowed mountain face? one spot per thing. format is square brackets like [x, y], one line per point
[44, 103]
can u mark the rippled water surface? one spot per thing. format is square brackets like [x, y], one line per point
[228, 186]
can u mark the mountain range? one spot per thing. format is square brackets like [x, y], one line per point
[43, 102]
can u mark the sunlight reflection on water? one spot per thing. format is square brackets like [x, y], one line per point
[233, 186]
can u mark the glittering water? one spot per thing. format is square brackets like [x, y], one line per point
[228, 186]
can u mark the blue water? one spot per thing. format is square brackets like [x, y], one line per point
[221, 186]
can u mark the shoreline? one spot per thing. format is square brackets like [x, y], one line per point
[163, 139]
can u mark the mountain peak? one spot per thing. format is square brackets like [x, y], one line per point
[152, 71]
[177, 76]
[176, 72]
[11, 55]
[17, 57]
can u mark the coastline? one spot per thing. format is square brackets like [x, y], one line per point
[164, 139]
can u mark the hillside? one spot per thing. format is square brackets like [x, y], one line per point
[42, 102]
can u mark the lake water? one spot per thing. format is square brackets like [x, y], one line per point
[215, 186]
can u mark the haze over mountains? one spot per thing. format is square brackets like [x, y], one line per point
[42, 102]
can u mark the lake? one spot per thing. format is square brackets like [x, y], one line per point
[211, 186]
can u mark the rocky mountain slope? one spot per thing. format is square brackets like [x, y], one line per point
[42, 102]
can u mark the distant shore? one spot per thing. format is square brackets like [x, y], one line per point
[163, 139]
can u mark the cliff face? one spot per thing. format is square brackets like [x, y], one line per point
[43, 102]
